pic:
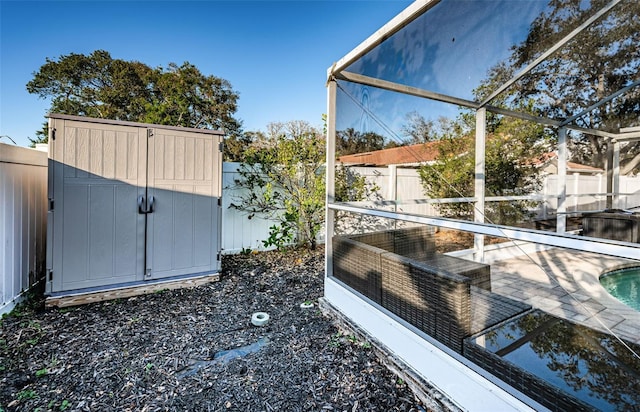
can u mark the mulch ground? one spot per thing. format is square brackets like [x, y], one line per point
[166, 351]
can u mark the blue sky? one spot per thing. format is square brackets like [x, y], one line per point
[274, 53]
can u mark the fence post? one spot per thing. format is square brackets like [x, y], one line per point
[561, 219]
[393, 185]
[576, 191]
[599, 205]
[479, 212]
[616, 176]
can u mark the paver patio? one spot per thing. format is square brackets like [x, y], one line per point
[566, 283]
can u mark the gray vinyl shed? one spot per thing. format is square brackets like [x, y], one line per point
[130, 204]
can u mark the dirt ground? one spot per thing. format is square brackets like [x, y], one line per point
[452, 240]
[197, 350]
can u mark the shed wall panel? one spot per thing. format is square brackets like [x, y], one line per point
[96, 226]
[186, 203]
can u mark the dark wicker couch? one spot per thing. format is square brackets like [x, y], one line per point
[400, 270]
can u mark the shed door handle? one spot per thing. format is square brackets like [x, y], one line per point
[141, 211]
[145, 209]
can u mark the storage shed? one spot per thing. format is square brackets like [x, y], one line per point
[130, 204]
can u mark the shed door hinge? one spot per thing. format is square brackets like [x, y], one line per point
[53, 133]
[219, 201]
[51, 202]
[221, 146]
[50, 275]
[149, 132]
[218, 257]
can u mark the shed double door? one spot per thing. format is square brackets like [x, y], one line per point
[131, 203]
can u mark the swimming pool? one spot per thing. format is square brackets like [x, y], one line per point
[624, 285]
[562, 365]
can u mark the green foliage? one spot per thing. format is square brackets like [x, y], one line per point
[283, 178]
[279, 236]
[340, 338]
[284, 182]
[97, 85]
[350, 186]
[235, 146]
[26, 394]
[451, 176]
[511, 149]
[183, 96]
[335, 340]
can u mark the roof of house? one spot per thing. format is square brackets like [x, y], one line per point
[404, 155]
[414, 155]
[551, 158]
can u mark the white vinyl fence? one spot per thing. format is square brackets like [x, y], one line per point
[238, 231]
[23, 221]
[584, 192]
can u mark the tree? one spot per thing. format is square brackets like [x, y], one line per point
[183, 96]
[350, 141]
[601, 61]
[285, 182]
[511, 149]
[451, 176]
[351, 186]
[235, 146]
[418, 129]
[586, 360]
[96, 85]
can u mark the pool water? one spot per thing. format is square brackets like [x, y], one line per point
[561, 359]
[624, 285]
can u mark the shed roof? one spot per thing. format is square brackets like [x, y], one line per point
[129, 123]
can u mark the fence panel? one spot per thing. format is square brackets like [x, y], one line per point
[584, 193]
[238, 231]
[630, 186]
[23, 221]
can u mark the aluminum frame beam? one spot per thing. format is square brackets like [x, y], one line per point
[401, 88]
[480, 180]
[561, 219]
[330, 175]
[628, 136]
[417, 92]
[602, 246]
[412, 12]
